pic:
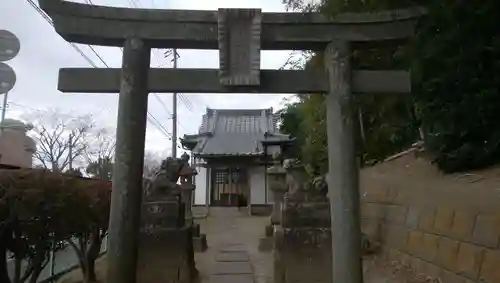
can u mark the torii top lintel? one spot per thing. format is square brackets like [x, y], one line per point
[110, 26]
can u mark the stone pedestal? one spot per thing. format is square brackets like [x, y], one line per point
[303, 240]
[167, 212]
[166, 252]
[166, 255]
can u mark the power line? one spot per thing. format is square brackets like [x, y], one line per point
[47, 18]
[136, 4]
[187, 103]
[159, 124]
[154, 122]
[98, 56]
[184, 99]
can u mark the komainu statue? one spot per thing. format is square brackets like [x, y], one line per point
[164, 181]
[368, 245]
[296, 177]
[320, 185]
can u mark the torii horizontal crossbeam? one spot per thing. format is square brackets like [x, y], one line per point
[110, 26]
[91, 80]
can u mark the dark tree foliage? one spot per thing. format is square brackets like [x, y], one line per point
[291, 118]
[457, 65]
[39, 208]
[454, 60]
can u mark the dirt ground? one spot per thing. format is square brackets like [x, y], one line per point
[226, 225]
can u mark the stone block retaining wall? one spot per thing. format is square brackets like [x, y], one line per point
[445, 226]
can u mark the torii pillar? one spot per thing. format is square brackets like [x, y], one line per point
[126, 197]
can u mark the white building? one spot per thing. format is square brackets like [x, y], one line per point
[16, 148]
[230, 157]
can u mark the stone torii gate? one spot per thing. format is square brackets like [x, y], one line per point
[239, 35]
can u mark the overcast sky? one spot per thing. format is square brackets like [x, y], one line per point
[43, 52]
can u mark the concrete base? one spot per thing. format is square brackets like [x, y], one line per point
[266, 244]
[200, 243]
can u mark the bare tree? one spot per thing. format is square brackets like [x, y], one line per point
[101, 144]
[152, 161]
[61, 137]
[99, 154]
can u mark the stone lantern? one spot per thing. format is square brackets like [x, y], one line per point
[276, 180]
[187, 185]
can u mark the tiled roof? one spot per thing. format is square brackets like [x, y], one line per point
[235, 132]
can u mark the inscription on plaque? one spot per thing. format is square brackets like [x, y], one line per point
[239, 46]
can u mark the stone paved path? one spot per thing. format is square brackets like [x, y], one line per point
[232, 255]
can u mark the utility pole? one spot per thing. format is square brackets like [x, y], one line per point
[174, 114]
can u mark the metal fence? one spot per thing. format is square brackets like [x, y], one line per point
[61, 262]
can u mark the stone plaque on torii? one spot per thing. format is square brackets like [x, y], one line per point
[240, 35]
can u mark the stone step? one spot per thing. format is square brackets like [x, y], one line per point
[231, 248]
[224, 268]
[232, 257]
[231, 278]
